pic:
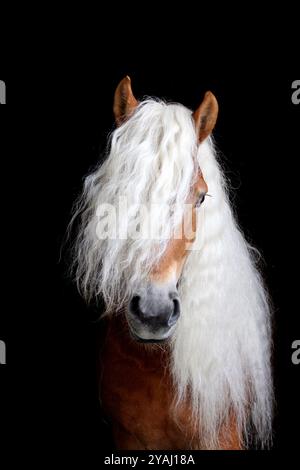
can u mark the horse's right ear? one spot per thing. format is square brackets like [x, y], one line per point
[124, 101]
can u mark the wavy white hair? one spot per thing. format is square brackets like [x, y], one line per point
[221, 347]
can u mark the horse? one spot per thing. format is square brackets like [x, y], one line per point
[186, 360]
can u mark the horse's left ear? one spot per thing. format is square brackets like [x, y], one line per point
[124, 101]
[205, 116]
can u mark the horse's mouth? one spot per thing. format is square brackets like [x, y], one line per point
[142, 340]
[134, 334]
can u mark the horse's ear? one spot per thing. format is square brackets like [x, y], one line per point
[205, 116]
[124, 101]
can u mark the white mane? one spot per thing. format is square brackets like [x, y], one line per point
[221, 348]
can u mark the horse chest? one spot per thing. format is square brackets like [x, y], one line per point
[137, 394]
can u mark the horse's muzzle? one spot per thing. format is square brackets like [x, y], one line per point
[153, 313]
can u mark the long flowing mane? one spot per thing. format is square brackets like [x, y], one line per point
[220, 353]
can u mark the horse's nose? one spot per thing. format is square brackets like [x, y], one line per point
[156, 313]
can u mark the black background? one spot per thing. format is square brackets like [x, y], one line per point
[52, 133]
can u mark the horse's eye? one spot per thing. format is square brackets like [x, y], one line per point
[200, 200]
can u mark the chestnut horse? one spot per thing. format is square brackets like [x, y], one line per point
[186, 359]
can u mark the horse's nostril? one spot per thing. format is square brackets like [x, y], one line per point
[135, 305]
[176, 312]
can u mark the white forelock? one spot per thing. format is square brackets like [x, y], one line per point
[151, 161]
